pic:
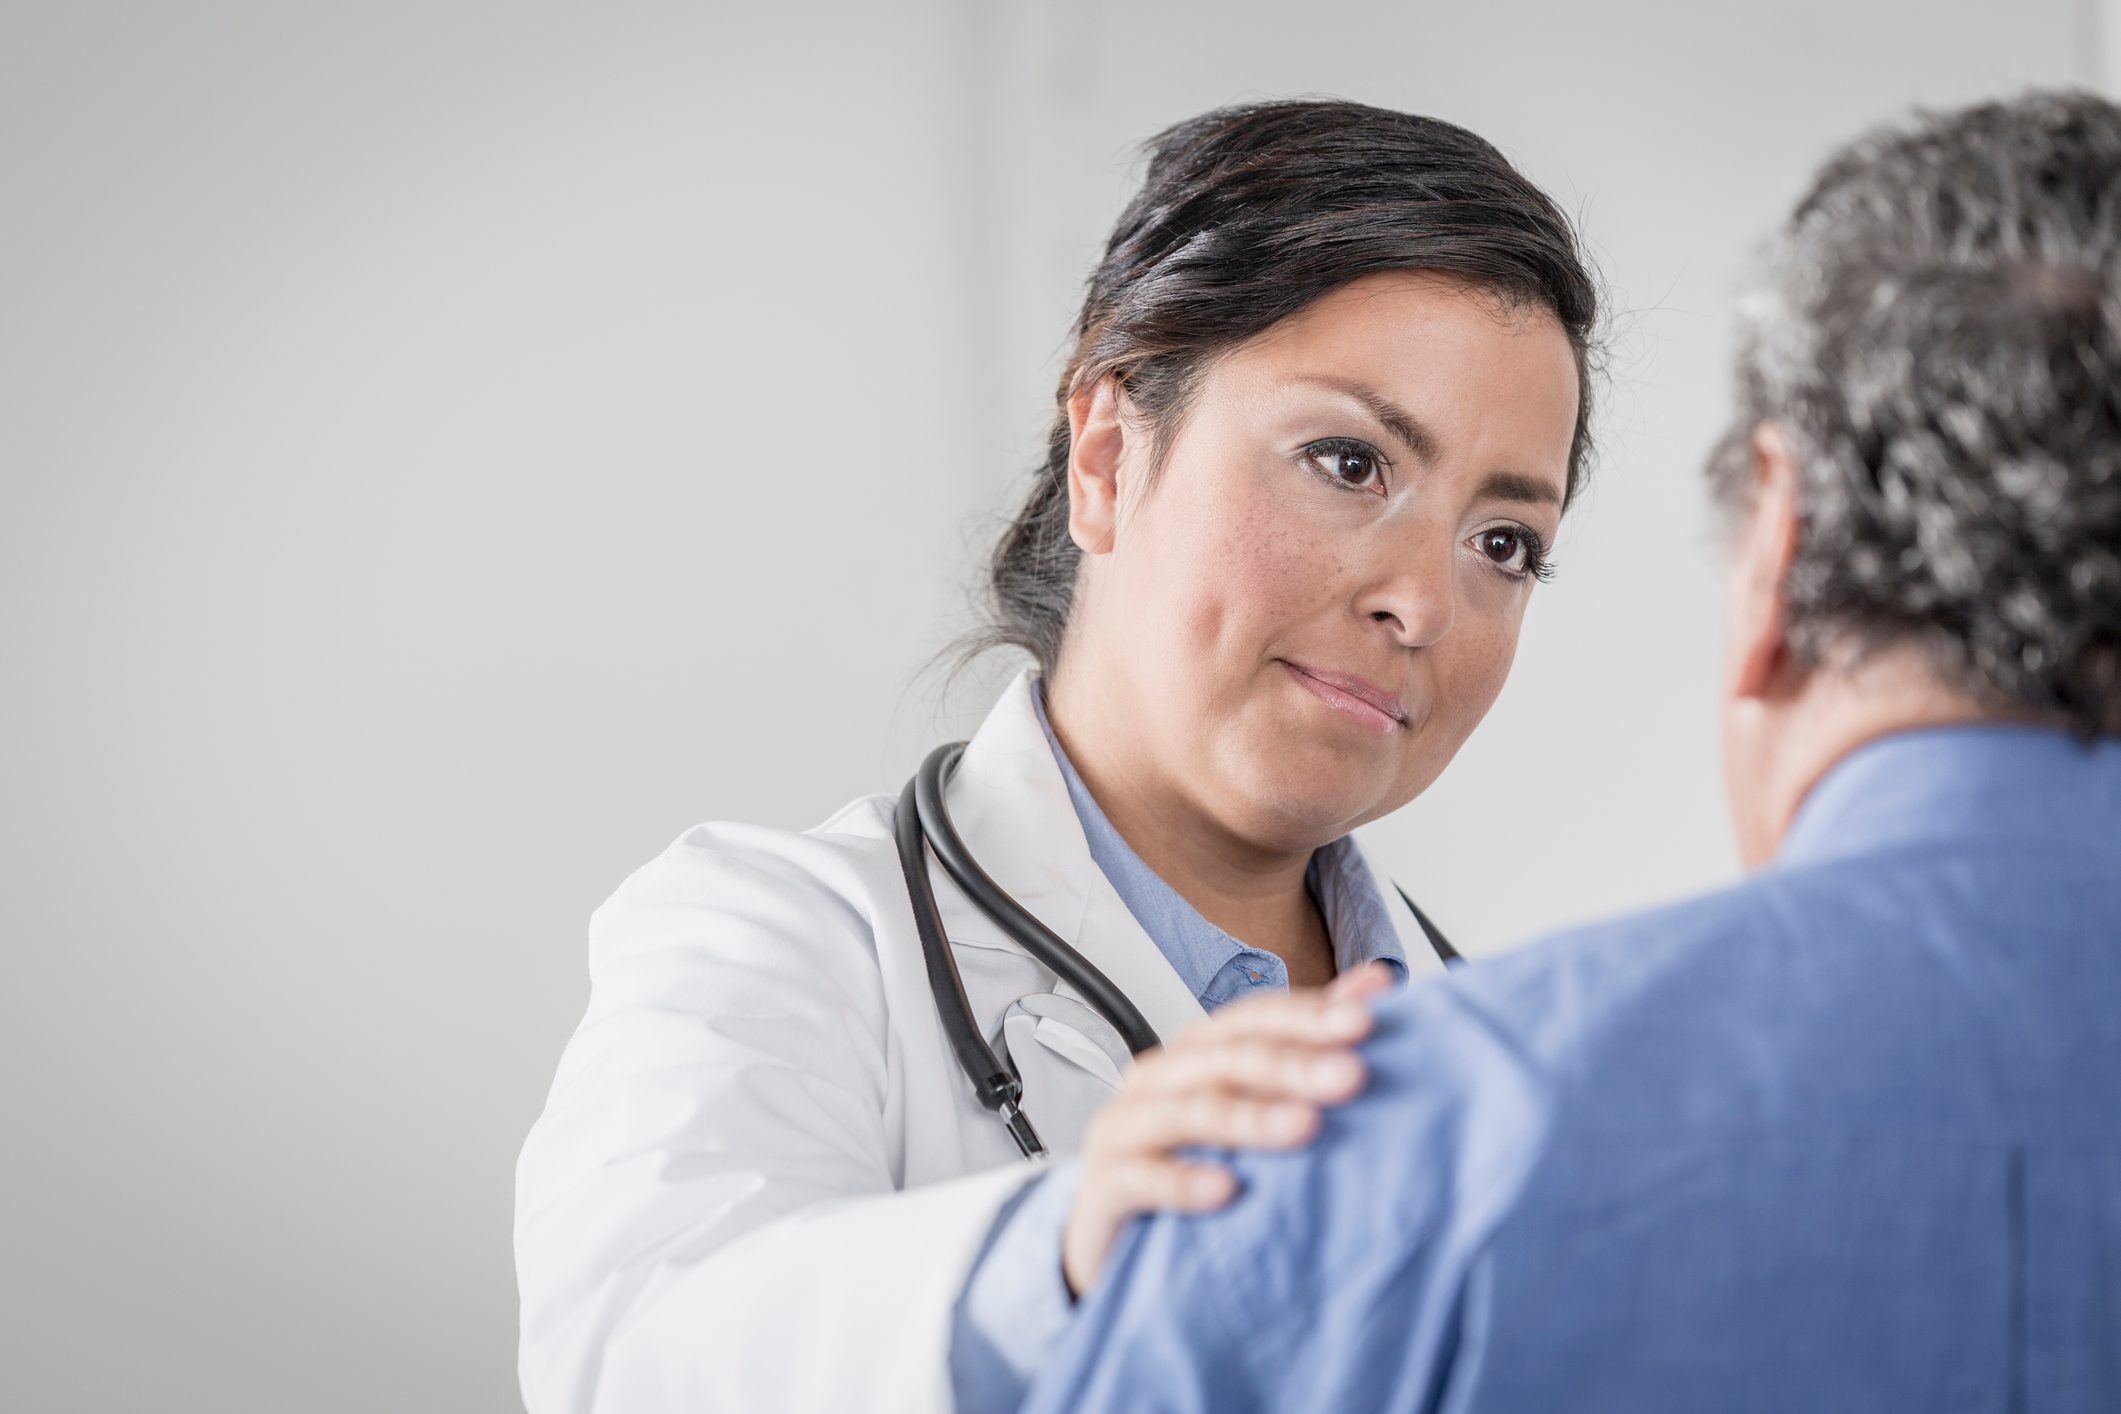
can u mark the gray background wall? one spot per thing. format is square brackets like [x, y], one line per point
[450, 448]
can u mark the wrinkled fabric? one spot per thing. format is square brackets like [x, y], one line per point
[1845, 1136]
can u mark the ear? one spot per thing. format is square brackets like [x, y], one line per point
[1759, 650]
[1097, 447]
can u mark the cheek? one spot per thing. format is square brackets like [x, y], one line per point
[1244, 568]
[1472, 664]
[1479, 673]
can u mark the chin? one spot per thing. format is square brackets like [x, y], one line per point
[1299, 799]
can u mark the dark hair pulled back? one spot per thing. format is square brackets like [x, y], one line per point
[1246, 215]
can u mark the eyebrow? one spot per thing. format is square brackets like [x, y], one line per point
[1501, 486]
[1395, 419]
[1510, 486]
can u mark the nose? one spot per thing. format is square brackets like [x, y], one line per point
[1413, 591]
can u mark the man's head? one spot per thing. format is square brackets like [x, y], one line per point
[1925, 470]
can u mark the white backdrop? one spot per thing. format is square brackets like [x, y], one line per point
[449, 448]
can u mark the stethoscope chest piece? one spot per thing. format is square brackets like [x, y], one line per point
[1070, 1029]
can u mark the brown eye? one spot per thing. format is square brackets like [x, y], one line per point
[1355, 465]
[1514, 551]
[1506, 548]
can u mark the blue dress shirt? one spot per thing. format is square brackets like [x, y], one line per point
[1843, 1137]
[1015, 1304]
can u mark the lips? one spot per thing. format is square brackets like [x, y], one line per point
[1361, 689]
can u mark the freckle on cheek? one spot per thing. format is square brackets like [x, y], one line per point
[1260, 581]
[1251, 570]
[1287, 571]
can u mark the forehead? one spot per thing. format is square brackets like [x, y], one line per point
[1411, 316]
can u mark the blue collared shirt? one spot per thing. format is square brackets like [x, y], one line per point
[1218, 967]
[1846, 1136]
[1015, 1304]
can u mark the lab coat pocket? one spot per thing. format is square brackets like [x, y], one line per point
[1070, 1060]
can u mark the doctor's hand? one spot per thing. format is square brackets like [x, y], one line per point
[1252, 1076]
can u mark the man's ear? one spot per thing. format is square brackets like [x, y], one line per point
[1759, 651]
[1097, 446]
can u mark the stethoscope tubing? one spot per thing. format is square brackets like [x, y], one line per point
[1012, 917]
[924, 824]
[997, 1087]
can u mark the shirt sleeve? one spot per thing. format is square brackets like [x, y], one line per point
[1154, 1335]
[1339, 1278]
[1015, 1306]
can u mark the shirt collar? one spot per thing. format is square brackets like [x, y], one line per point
[1355, 914]
[1965, 782]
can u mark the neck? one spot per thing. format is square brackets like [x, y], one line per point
[1255, 895]
[1835, 711]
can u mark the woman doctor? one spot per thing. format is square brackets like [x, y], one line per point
[1327, 402]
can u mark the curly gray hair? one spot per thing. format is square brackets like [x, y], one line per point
[1938, 334]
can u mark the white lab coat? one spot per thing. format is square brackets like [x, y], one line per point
[761, 1179]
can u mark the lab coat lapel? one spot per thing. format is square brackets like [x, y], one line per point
[1012, 809]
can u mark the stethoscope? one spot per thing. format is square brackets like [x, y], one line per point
[924, 820]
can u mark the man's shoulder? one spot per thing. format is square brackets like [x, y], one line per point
[1485, 1081]
[1793, 1018]
[1555, 1004]
[1718, 1013]
[1471, 1081]
[1807, 1000]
